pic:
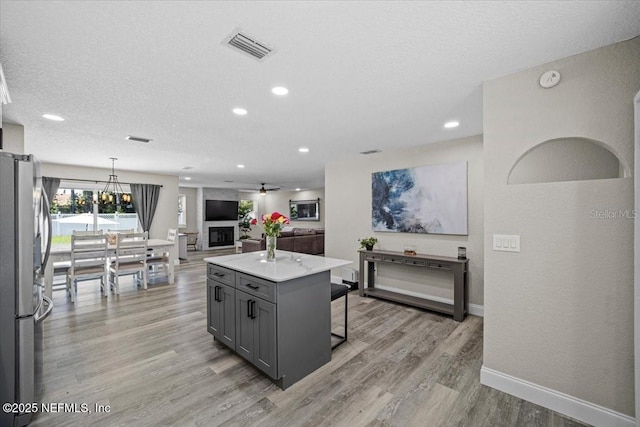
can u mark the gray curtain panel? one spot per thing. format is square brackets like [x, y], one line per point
[145, 200]
[50, 186]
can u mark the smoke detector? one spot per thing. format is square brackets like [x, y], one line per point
[550, 79]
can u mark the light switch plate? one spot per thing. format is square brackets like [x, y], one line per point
[506, 242]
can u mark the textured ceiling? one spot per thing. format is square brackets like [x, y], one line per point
[361, 76]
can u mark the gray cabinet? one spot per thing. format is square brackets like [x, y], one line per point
[256, 332]
[282, 328]
[221, 310]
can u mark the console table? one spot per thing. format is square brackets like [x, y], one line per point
[459, 268]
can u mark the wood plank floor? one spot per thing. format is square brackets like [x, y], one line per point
[147, 355]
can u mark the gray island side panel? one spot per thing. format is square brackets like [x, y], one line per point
[304, 326]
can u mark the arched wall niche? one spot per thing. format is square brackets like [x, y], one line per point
[567, 159]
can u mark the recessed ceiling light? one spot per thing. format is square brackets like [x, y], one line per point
[303, 149]
[188, 178]
[240, 111]
[452, 124]
[53, 117]
[297, 189]
[280, 90]
[240, 166]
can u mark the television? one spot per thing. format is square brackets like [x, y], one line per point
[221, 210]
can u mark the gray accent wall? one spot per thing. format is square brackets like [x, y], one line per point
[559, 314]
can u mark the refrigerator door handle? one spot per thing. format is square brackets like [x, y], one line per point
[40, 317]
[47, 214]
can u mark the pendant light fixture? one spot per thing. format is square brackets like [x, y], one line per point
[113, 192]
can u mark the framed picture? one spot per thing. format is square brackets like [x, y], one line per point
[426, 199]
[304, 210]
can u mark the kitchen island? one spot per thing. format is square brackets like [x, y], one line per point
[277, 315]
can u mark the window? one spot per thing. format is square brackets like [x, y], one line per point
[73, 209]
[182, 211]
[245, 214]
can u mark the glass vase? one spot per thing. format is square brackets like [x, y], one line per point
[271, 248]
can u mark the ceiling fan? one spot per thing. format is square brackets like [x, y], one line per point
[263, 191]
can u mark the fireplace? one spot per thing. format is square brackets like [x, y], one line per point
[220, 236]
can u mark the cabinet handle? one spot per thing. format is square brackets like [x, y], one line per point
[253, 309]
[216, 295]
[249, 313]
[255, 288]
[218, 274]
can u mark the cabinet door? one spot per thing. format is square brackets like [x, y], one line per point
[213, 308]
[265, 337]
[244, 325]
[227, 324]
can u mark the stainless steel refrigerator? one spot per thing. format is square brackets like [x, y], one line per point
[24, 247]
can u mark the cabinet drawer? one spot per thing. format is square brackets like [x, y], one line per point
[395, 260]
[372, 257]
[221, 274]
[416, 262]
[257, 287]
[439, 266]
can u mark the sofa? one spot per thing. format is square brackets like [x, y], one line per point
[302, 240]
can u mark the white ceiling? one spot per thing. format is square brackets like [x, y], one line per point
[362, 75]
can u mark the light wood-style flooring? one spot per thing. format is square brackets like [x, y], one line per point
[148, 356]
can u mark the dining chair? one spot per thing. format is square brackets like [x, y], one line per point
[192, 239]
[85, 232]
[158, 263]
[88, 261]
[130, 259]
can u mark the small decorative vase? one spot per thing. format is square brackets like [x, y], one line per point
[369, 247]
[271, 248]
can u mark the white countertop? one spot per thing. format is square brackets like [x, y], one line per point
[288, 265]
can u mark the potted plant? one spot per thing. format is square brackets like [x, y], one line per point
[368, 243]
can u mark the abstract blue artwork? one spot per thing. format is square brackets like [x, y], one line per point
[427, 199]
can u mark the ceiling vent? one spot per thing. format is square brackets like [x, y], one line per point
[370, 152]
[244, 43]
[4, 90]
[138, 139]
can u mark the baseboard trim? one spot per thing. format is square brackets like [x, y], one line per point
[565, 404]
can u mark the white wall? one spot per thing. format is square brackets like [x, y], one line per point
[167, 210]
[279, 201]
[637, 250]
[13, 138]
[559, 314]
[348, 217]
[192, 208]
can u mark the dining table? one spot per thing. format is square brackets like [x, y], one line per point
[62, 252]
